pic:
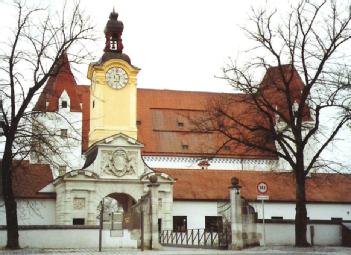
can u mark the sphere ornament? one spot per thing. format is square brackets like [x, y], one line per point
[153, 179]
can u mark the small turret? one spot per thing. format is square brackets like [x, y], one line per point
[113, 34]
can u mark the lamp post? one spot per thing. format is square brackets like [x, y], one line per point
[101, 222]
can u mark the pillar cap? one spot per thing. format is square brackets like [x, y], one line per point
[235, 183]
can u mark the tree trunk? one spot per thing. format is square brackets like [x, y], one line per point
[301, 212]
[9, 199]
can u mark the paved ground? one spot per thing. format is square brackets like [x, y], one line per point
[275, 250]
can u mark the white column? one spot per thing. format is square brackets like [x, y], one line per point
[236, 216]
[155, 245]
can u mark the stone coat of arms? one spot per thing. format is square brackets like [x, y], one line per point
[118, 163]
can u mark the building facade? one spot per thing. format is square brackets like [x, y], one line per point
[111, 137]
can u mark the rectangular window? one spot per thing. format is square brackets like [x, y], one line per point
[185, 146]
[63, 133]
[276, 217]
[64, 104]
[179, 223]
[62, 170]
[78, 221]
[213, 223]
[160, 203]
[226, 148]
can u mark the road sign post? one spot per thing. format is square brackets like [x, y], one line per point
[262, 188]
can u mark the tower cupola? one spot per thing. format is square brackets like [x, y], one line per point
[113, 33]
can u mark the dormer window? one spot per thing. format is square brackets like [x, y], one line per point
[64, 104]
[64, 101]
[180, 124]
[226, 147]
[185, 146]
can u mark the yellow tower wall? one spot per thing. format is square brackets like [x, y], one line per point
[112, 111]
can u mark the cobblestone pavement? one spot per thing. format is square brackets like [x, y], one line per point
[276, 250]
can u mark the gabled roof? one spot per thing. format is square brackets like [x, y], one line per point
[28, 179]
[214, 185]
[59, 81]
[278, 82]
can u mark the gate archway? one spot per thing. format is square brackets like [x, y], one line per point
[117, 215]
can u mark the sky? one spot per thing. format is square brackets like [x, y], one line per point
[177, 44]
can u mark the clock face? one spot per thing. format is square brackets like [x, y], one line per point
[116, 77]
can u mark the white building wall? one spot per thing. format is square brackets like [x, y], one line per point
[70, 148]
[195, 212]
[32, 212]
[316, 211]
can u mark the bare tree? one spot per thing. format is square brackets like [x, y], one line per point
[39, 39]
[281, 114]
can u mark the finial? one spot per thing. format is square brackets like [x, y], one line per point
[113, 14]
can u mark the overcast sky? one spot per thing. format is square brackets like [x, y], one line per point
[178, 44]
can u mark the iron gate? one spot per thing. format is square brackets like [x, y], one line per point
[196, 238]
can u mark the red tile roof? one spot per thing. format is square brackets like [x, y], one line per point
[29, 179]
[214, 185]
[167, 128]
[61, 80]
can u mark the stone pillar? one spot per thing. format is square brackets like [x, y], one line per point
[167, 218]
[153, 186]
[236, 216]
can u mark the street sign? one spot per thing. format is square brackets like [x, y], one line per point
[262, 187]
[262, 197]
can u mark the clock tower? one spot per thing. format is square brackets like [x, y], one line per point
[113, 88]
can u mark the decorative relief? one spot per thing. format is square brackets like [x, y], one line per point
[78, 203]
[118, 163]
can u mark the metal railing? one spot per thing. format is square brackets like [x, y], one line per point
[195, 238]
